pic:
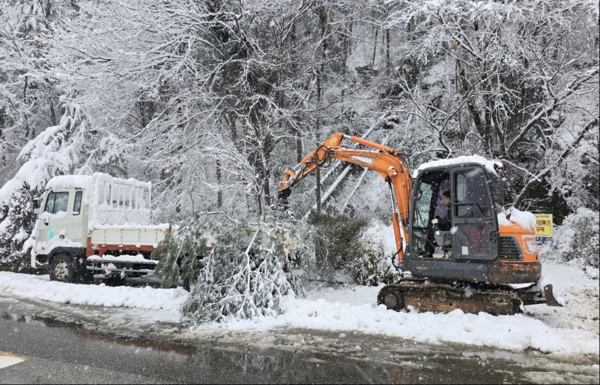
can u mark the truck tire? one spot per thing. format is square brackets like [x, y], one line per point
[63, 269]
[190, 281]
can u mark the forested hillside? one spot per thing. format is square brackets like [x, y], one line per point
[211, 100]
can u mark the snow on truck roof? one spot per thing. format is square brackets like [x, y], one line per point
[84, 181]
[488, 164]
[112, 201]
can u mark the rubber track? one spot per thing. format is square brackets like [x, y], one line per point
[422, 296]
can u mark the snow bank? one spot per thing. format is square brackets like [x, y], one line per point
[568, 330]
[40, 287]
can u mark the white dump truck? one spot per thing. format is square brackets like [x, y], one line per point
[95, 225]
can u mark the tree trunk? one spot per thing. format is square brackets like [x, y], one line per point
[219, 182]
[388, 63]
[52, 112]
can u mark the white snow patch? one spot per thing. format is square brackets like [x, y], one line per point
[568, 330]
[502, 221]
[69, 181]
[572, 329]
[489, 164]
[40, 287]
[525, 219]
[139, 258]
[379, 233]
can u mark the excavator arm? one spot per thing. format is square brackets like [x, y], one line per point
[384, 160]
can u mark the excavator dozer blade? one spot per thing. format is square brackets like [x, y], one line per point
[549, 295]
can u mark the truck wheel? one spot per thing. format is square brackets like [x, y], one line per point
[62, 269]
[190, 281]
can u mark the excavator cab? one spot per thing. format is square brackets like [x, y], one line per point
[450, 236]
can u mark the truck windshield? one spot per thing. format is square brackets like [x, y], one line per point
[57, 201]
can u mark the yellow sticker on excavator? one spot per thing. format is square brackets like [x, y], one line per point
[543, 227]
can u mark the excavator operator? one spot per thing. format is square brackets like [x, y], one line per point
[442, 221]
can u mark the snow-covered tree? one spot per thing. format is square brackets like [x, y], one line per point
[578, 238]
[517, 82]
[16, 225]
[72, 147]
[243, 275]
[29, 91]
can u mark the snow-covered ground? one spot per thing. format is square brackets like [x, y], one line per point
[571, 330]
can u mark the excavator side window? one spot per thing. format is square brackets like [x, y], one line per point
[473, 221]
[471, 198]
[421, 215]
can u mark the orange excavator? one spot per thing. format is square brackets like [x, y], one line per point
[456, 247]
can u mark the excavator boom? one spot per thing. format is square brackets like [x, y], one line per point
[384, 160]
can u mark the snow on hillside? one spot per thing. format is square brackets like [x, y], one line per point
[564, 331]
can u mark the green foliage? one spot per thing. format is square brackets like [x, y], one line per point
[340, 244]
[17, 221]
[243, 276]
[179, 252]
[373, 266]
[336, 240]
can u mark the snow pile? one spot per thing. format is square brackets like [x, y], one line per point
[569, 330]
[39, 287]
[572, 329]
[524, 219]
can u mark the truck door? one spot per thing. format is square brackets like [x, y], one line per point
[474, 224]
[53, 218]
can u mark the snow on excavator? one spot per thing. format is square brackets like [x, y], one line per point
[456, 248]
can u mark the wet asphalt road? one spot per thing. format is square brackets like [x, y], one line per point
[57, 352]
[72, 351]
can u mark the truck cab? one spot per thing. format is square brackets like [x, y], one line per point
[95, 224]
[62, 218]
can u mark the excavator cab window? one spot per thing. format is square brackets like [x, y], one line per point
[474, 223]
[428, 204]
[471, 198]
